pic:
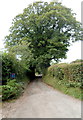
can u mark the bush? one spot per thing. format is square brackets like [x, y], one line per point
[73, 84]
[72, 73]
[11, 65]
[7, 67]
[11, 90]
[77, 61]
[67, 78]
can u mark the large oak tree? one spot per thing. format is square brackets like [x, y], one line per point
[47, 29]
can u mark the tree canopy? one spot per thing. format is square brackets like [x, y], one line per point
[45, 30]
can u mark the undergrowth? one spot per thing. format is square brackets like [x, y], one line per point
[63, 86]
[67, 78]
[13, 89]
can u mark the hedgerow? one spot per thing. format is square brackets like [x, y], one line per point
[12, 88]
[67, 78]
[69, 72]
[11, 65]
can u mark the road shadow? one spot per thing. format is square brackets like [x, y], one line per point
[37, 78]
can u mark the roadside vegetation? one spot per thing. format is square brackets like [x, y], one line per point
[66, 77]
[38, 36]
[12, 87]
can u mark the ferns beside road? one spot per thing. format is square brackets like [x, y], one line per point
[12, 87]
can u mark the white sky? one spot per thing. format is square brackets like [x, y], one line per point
[10, 8]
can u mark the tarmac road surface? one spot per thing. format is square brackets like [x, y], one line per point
[42, 101]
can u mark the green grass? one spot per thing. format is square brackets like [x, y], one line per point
[61, 86]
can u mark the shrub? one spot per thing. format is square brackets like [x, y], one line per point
[77, 61]
[11, 65]
[7, 67]
[73, 84]
[67, 78]
[71, 73]
[11, 90]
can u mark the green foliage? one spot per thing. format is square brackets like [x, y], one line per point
[67, 78]
[74, 72]
[63, 86]
[11, 65]
[0, 90]
[77, 61]
[7, 66]
[74, 84]
[46, 29]
[11, 90]
[68, 72]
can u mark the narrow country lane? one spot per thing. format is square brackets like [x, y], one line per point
[42, 101]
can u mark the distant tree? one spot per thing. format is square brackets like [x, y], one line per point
[47, 29]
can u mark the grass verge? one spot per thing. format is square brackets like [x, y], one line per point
[75, 92]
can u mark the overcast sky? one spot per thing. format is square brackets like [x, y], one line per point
[10, 8]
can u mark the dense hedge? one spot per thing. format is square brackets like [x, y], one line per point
[77, 61]
[68, 78]
[70, 73]
[12, 88]
[11, 65]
